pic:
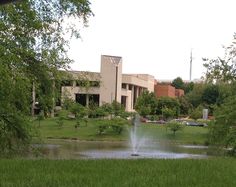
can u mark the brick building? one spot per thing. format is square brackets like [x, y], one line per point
[167, 90]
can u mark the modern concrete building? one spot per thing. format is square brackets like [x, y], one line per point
[107, 86]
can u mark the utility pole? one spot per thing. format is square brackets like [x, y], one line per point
[190, 71]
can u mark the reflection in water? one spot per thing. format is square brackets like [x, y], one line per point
[72, 149]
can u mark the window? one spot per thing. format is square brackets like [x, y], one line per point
[85, 83]
[123, 86]
[67, 83]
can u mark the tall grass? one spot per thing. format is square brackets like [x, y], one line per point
[101, 173]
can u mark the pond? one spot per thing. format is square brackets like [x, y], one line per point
[74, 149]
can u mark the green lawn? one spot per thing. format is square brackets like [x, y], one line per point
[50, 129]
[218, 172]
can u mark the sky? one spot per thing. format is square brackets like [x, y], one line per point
[155, 36]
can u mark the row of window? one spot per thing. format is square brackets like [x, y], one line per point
[81, 83]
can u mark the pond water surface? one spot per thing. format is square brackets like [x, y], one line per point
[74, 149]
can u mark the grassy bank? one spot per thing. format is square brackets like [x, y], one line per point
[49, 129]
[208, 173]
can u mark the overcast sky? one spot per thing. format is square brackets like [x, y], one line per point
[155, 36]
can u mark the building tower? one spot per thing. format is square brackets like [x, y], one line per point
[111, 79]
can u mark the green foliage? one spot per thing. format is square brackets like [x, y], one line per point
[117, 108]
[116, 124]
[168, 113]
[178, 83]
[49, 128]
[146, 104]
[100, 112]
[78, 123]
[101, 129]
[226, 90]
[222, 69]
[67, 103]
[15, 103]
[78, 110]
[113, 110]
[62, 116]
[40, 117]
[60, 121]
[197, 113]
[144, 110]
[107, 108]
[210, 94]
[15, 134]
[167, 106]
[32, 49]
[185, 106]
[174, 126]
[96, 112]
[222, 131]
[188, 87]
[195, 96]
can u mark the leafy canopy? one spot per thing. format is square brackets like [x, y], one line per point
[34, 41]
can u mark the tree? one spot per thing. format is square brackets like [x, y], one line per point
[33, 39]
[223, 129]
[117, 108]
[210, 94]
[222, 69]
[188, 87]
[197, 113]
[32, 49]
[78, 110]
[170, 106]
[168, 113]
[146, 104]
[178, 83]
[185, 106]
[195, 96]
[174, 126]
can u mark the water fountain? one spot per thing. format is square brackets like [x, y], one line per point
[141, 145]
[134, 140]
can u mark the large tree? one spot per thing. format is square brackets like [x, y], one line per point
[223, 128]
[178, 83]
[168, 107]
[222, 69]
[33, 47]
[195, 96]
[146, 104]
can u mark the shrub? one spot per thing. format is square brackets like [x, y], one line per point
[174, 126]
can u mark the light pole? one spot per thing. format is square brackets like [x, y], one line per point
[190, 71]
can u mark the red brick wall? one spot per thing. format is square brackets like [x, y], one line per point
[164, 90]
[179, 92]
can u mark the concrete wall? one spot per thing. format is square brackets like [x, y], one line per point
[111, 79]
[141, 80]
[71, 91]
